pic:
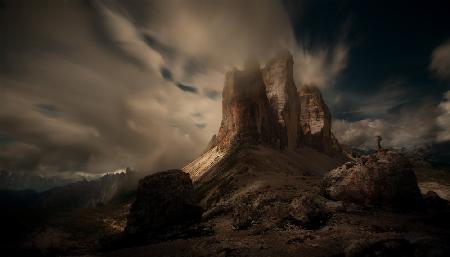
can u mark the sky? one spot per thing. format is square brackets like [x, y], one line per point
[93, 86]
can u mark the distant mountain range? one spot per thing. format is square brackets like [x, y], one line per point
[29, 181]
[79, 194]
[92, 193]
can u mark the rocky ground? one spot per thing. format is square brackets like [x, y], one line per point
[263, 212]
[285, 215]
[432, 179]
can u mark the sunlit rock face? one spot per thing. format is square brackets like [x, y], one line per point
[315, 121]
[282, 95]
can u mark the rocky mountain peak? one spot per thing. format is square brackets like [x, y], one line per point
[315, 121]
[246, 116]
[263, 106]
[282, 95]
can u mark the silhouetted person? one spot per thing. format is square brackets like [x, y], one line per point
[379, 142]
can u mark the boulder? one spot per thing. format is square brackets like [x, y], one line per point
[164, 201]
[384, 179]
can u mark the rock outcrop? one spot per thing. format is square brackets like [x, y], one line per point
[246, 115]
[262, 106]
[282, 95]
[383, 179]
[164, 200]
[315, 121]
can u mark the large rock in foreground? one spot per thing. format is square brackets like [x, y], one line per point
[164, 200]
[384, 179]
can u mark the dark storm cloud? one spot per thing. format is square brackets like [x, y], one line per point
[166, 74]
[166, 51]
[186, 88]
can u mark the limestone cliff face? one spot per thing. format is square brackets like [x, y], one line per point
[246, 114]
[262, 106]
[315, 121]
[282, 95]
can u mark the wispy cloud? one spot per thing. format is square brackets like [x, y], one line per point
[128, 38]
[320, 67]
[440, 61]
[407, 125]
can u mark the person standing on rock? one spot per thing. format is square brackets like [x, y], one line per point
[379, 142]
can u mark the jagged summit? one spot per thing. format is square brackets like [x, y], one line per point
[262, 107]
[282, 94]
[246, 114]
[315, 122]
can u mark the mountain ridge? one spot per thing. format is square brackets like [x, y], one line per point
[262, 107]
